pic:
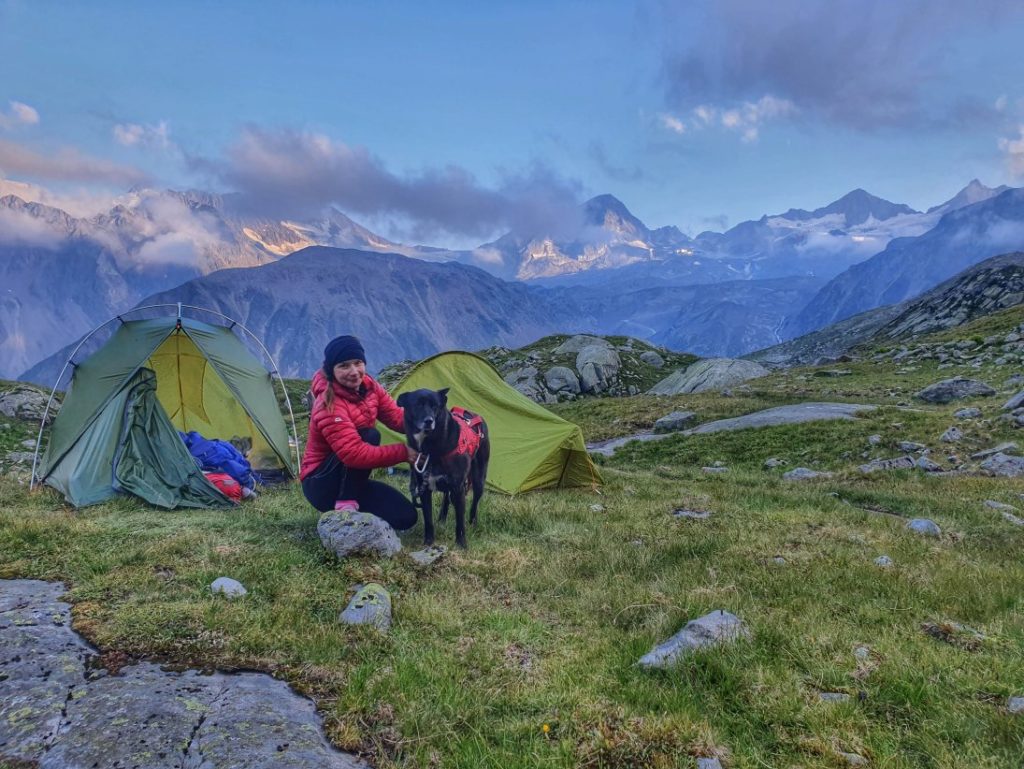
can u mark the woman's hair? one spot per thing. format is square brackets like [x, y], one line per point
[329, 394]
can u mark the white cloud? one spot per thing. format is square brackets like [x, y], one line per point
[18, 114]
[64, 164]
[1001, 102]
[672, 123]
[22, 229]
[1014, 149]
[745, 119]
[136, 135]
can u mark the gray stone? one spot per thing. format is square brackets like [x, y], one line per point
[1015, 402]
[598, 366]
[909, 446]
[597, 508]
[971, 413]
[779, 560]
[29, 444]
[708, 375]
[991, 503]
[924, 526]
[428, 555]
[371, 605]
[1011, 518]
[953, 389]
[608, 447]
[883, 561]
[20, 457]
[576, 343]
[25, 403]
[345, 533]
[228, 587]
[1015, 705]
[772, 462]
[718, 627]
[1004, 466]
[952, 435]
[562, 379]
[833, 697]
[673, 422]
[715, 470]
[651, 358]
[709, 763]
[783, 415]
[525, 381]
[57, 709]
[1002, 448]
[853, 759]
[875, 439]
[923, 463]
[804, 474]
[895, 463]
[697, 515]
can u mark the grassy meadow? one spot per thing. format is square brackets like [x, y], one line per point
[521, 651]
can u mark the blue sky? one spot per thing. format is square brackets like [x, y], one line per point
[452, 122]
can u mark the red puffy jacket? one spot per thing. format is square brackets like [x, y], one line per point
[336, 431]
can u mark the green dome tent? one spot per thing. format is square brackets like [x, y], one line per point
[117, 428]
[531, 448]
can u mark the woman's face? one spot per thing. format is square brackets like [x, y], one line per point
[350, 373]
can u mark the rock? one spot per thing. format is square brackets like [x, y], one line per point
[875, 439]
[953, 389]
[677, 420]
[598, 366]
[1015, 705]
[697, 515]
[715, 470]
[779, 560]
[1004, 466]
[709, 763]
[853, 759]
[576, 343]
[883, 561]
[525, 381]
[20, 457]
[24, 403]
[708, 375]
[833, 696]
[924, 526]
[371, 605]
[1002, 448]
[782, 415]
[228, 587]
[651, 358]
[952, 435]
[1015, 402]
[29, 444]
[923, 463]
[971, 413]
[774, 462]
[896, 463]
[1011, 518]
[345, 533]
[833, 372]
[909, 446]
[562, 379]
[804, 474]
[991, 503]
[718, 627]
[428, 555]
[597, 508]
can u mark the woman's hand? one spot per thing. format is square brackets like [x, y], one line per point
[412, 453]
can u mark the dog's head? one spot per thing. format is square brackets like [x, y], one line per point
[425, 411]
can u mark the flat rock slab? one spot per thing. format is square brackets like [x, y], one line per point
[608, 447]
[673, 422]
[1003, 448]
[783, 415]
[894, 463]
[428, 555]
[804, 474]
[1004, 466]
[371, 605]
[718, 627]
[953, 389]
[696, 515]
[346, 533]
[60, 712]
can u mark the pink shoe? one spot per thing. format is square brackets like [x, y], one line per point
[346, 504]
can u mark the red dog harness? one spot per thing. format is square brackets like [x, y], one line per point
[471, 429]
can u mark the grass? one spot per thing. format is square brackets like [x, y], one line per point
[540, 623]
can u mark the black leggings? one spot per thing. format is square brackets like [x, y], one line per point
[332, 481]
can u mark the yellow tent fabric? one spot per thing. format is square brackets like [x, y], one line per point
[531, 448]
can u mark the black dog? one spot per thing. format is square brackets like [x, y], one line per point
[454, 451]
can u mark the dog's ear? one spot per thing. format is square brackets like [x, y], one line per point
[444, 395]
[401, 399]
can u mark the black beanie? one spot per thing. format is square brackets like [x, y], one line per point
[340, 349]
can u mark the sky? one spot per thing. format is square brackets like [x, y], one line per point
[449, 122]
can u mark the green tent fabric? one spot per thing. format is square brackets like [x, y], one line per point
[531, 448]
[202, 378]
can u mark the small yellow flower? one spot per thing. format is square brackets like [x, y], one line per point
[546, 728]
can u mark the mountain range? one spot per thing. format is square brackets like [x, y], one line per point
[727, 293]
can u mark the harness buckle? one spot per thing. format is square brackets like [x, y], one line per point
[416, 464]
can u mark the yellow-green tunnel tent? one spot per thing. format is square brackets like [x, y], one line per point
[531, 448]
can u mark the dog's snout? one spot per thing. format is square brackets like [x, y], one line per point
[428, 422]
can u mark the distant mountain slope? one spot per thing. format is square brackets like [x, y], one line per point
[909, 266]
[401, 308]
[987, 287]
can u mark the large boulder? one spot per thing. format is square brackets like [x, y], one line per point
[578, 342]
[525, 381]
[345, 533]
[677, 420]
[23, 403]
[561, 379]
[954, 389]
[1004, 466]
[598, 366]
[710, 374]
[651, 358]
[1015, 402]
